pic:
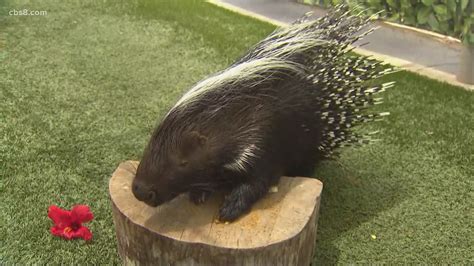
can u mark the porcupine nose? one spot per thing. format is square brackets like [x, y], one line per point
[142, 193]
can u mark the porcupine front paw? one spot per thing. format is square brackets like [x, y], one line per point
[240, 200]
[199, 196]
[233, 207]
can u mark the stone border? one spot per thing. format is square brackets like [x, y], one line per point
[445, 39]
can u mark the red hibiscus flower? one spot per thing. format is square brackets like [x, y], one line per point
[68, 224]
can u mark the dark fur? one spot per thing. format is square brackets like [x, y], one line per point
[189, 149]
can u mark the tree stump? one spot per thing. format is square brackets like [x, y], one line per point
[280, 229]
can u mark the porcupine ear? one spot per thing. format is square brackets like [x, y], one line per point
[191, 143]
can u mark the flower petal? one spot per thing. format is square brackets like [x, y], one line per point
[60, 217]
[65, 232]
[56, 231]
[84, 233]
[81, 214]
[68, 233]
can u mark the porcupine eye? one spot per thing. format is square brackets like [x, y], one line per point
[191, 150]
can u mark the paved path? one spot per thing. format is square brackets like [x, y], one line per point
[407, 46]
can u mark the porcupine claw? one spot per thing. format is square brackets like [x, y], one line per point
[198, 196]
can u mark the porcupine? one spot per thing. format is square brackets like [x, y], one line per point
[287, 104]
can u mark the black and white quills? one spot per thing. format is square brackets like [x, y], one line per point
[290, 102]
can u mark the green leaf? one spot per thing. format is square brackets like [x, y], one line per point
[406, 12]
[457, 29]
[468, 39]
[410, 20]
[410, 16]
[433, 22]
[443, 27]
[452, 6]
[428, 3]
[392, 3]
[464, 4]
[467, 27]
[394, 18]
[440, 9]
[445, 18]
[405, 4]
[422, 15]
[375, 5]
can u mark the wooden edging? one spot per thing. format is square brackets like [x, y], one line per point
[401, 63]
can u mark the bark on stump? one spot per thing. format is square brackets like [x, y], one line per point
[280, 229]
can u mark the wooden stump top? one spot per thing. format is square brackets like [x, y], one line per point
[277, 217]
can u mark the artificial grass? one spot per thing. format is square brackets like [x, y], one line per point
[82, 88]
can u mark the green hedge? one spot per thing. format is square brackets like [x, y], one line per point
[450, 17]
